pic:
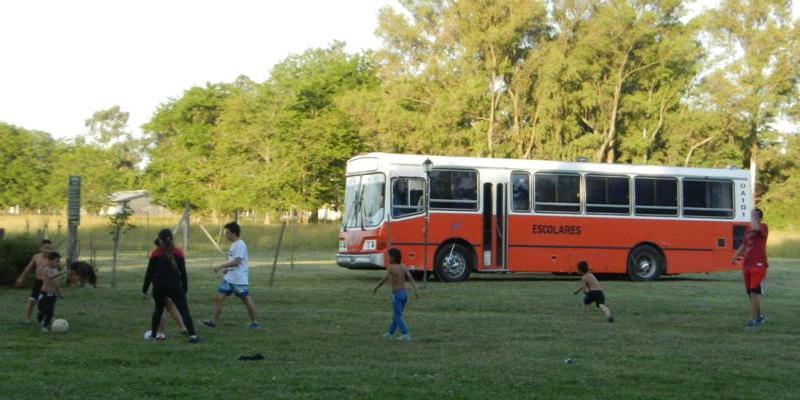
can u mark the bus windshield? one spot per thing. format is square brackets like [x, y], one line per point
[364, 201]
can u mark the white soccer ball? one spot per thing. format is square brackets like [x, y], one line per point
[159, 336]
[60, 326]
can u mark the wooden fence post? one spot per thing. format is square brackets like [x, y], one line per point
[277, 251]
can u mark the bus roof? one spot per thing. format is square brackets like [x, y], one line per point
[380, 161]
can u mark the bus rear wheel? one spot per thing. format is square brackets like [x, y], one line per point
[453, 263]
[645, 263]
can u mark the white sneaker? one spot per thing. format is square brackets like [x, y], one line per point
[405, 338]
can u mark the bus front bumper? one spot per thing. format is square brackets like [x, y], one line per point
[360, 261]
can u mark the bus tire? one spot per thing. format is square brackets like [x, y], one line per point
[453, 263]
[645, 263]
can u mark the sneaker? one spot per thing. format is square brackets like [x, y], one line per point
[152, 338]
[194, 339]
[45, 329]
[252, 325]
[760, 320]
[406, 338]
[209, 323]
[610, 319]
[752, 323]
[387, 336]
[160, 336]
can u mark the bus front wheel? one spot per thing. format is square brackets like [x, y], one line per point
[453, 263]
[645, 263]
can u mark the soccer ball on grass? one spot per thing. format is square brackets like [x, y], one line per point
[60, 326]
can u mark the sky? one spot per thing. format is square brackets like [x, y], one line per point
[60, 61]
[63, 60]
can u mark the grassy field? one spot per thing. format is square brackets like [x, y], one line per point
[494, 336]
[94, 233]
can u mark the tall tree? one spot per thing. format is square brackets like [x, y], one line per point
[182, 153]
[756, 78]
[628, 54]
[25, 165]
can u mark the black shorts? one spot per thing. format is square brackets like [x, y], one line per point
[37, 288]
[595, 296]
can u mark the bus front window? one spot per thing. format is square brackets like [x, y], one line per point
[364, 201]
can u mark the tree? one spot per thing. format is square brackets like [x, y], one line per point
[755, 77]
[182, 153]
[25, 163]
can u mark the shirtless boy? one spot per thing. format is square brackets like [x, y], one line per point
[50, 291]
[398, 275]
[592, 291]
[38, 263]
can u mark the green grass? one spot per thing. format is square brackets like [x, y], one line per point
[495, 336]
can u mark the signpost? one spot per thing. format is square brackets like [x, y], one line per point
[73, 217]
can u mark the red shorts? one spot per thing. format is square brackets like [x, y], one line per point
[753, 278]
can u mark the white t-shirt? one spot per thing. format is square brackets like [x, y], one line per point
[237, 275]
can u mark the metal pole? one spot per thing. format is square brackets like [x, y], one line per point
[427, 222]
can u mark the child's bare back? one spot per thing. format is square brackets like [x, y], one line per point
[590, 282]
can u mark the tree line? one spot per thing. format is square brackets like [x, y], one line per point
[628, 81]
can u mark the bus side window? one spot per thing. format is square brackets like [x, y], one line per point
[607, 194]
[454, 190]
[656, 196]
[708, 198]
[520, 191]
[554, 192]
[407, 196]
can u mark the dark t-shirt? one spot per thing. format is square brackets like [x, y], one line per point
[755, 253]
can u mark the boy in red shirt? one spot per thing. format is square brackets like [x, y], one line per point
[754, 266]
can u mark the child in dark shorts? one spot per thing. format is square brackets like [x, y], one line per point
[593, 293]
[50, 291]
[38, 263]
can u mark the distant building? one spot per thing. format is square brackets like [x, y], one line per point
[138, 201]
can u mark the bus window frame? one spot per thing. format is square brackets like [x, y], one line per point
[586, 203]
[678, 196]
[478, 182]
[707, 179]
[530, 192]
[391, 197]
[581, 193]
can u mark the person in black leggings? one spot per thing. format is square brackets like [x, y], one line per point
[166, 270]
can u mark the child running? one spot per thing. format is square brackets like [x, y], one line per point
[50, 291]
[235, 280]
[398, 274]
[38, 263]
[592, 291]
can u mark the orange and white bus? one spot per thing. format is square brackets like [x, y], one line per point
[506, 215]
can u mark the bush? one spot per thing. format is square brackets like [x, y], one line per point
[15, 253]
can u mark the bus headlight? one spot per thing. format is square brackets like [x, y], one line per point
[371, 244]
[342, 246]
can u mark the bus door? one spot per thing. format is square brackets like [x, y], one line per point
[494, 227]
[407, 219]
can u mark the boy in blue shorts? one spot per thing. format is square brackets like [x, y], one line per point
[235, 279]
